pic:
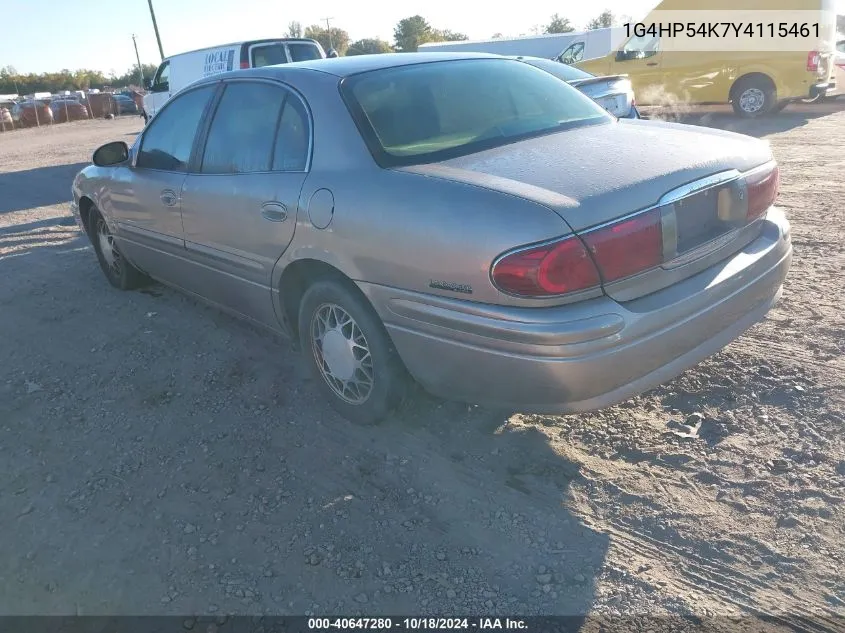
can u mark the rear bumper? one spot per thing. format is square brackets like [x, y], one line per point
[821, 89]
[587, 355]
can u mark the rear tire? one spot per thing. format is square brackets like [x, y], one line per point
[350, 353]
[117, 269]
[753, 97]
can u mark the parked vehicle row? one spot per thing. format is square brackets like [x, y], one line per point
[468, 222]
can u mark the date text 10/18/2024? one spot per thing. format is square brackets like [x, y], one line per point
[416, 624]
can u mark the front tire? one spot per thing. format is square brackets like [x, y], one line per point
[117, 269]
[350, 353]
[753, 97]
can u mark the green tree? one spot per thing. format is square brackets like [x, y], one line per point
[338, 39]
[369, 46]
[411, 32]
[840, 23]
[558, 25]
[604, 20]
[294, 29]
[445, 35]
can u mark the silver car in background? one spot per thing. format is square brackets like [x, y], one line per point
[614, 93]
[467, 221]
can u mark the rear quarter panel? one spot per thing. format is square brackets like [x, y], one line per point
[402, 229]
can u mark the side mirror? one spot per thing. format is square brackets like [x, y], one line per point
[110, 154]
[332, 53]
[148, 84]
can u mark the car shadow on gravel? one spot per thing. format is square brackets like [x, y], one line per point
[41, 187]
[231, 482]
[758, 128]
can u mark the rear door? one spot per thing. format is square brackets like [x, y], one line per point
[239, 211]
[267, 54]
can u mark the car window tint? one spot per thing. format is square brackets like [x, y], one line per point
[243, 130]
[170, 136]
[268, 55]
[291, 152]
[301, 52]
[418, 112]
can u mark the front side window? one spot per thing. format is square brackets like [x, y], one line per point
[257, 127]
[640, 47]
[161, 83]
[437, 110]
[268, 55]
[168, 140]
[574, 53]
[303, 52]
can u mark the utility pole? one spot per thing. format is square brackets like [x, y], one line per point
[155, 27]
[138, 57]
[329, 31]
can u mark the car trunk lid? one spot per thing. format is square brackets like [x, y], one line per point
[598, 175]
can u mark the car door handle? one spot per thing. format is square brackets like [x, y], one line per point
[274, 211]
[169, 198]
[651, 64]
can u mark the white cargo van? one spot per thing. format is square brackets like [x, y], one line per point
[592, 44]
[178, 71]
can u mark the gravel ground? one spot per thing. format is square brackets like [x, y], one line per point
[157, 456]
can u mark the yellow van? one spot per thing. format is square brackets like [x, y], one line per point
[755, 83]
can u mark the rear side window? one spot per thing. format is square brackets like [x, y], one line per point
[168, 140]
[303, 51]
[257, 127]
[268, 55]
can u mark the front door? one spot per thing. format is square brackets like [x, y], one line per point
[239, 211]
[640, 58]
[159, 92]
[145, 198]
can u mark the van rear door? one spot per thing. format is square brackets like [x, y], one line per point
[272, 52]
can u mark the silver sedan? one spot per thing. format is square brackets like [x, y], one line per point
[614, 93]
[466, 221]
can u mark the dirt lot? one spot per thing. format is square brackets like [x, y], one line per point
[157, 456]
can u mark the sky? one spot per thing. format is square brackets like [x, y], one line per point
[97, 34]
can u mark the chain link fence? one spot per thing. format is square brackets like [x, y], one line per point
[45, 110]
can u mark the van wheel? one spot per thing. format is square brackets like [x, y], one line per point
[753, 97]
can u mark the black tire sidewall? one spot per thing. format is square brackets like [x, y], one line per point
[389, 376]
[128, 278]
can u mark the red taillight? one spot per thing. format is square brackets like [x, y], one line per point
[244, 65]
[627, 247]
[552, 269]
[813, 59]
[763, 190]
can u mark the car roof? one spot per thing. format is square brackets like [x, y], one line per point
[352, 65]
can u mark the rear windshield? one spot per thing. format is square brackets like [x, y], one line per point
[303, 51]
[268, 55]
[438, 110]
[561, 71]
